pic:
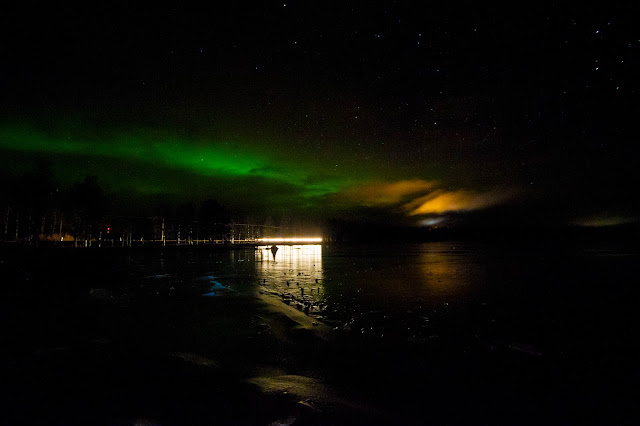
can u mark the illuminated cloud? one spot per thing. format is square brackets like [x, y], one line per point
[416, 197]
[386, 193]
[442, 201]
[603, 220]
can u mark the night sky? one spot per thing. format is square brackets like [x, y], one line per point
[438, 114]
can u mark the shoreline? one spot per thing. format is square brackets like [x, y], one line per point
[143, 245]
[303, 321]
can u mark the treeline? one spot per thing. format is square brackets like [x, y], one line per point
[37, 209]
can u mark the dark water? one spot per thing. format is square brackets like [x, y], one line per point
[553, 300]
[554, 325]
[539, 333]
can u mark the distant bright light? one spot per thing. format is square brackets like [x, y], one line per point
[431, 221]
[291, 240]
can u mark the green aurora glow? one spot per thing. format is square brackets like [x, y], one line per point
[149, 164]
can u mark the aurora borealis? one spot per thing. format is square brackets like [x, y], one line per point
[405, 113]
[207, 159]
[160, 166]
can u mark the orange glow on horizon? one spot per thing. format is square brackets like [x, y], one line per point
[446, 201]
[441, 202]
[386, 193]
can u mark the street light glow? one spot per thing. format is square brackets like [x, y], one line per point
[291, 240]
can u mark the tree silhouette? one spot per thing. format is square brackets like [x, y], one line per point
[213, 219]
[87, 204]
[33, 198]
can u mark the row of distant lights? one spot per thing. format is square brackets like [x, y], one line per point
[291, 240]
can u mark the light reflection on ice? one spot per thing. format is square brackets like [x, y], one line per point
[293, 272]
